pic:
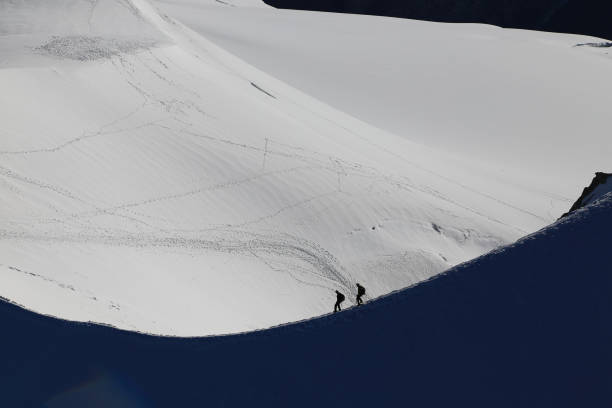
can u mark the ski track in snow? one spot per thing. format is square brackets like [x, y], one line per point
[317, 195]
[290, 248]
[111, 305]
[321, 261]
[149, 99]
[104, 131]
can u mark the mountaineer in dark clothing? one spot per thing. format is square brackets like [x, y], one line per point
[360, 293]
[339, 299]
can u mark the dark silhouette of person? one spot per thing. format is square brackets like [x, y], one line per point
[339, 299]
[360, 293]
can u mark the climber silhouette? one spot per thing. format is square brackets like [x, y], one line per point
[360, 293]
[339, 299]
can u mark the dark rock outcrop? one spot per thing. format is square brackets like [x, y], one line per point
[586, 198]
[589, 17]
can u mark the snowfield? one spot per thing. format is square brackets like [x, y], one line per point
[534, 106]
[151, 180]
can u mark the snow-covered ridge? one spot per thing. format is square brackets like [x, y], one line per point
[172, 188]
[525, 323]
[600, 185]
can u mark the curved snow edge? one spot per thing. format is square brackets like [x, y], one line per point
[602, 204]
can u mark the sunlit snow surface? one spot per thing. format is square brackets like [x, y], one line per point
[534, 105]
[153, 181]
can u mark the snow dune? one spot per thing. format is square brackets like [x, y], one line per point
[525, 326]
[153, 181]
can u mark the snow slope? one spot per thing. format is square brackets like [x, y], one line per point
[525, 326]
[530, 104]
[152, 181]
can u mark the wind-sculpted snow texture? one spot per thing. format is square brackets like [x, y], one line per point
[525, 326]
[90, 48]
[152, 181]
